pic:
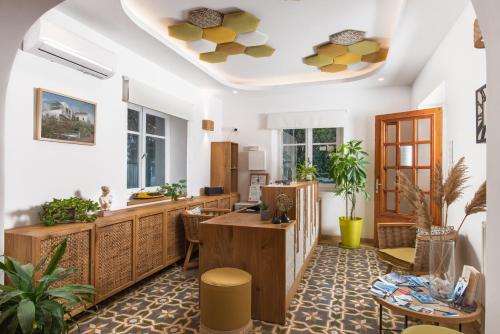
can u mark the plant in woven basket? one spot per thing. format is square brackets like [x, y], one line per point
[174, 190]
[71, 209]
[30, 305]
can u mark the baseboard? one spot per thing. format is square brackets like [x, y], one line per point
[335, 240]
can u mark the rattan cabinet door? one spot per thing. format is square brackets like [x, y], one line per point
[77, 256]
[212, 204]
[176, 240]
[224, 203]
[150, 244]
[113, 257]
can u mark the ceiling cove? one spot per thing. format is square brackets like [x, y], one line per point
[261, 44]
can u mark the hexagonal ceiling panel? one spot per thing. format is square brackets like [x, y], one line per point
[294, 29]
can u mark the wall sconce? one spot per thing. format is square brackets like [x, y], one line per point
[207, 124]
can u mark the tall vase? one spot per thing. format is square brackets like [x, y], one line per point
[442, 269]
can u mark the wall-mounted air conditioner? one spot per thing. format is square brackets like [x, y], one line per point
[50, 41]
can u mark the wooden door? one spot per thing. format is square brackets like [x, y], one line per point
[410, 142]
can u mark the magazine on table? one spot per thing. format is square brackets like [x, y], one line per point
[423, 297]
[388, 289]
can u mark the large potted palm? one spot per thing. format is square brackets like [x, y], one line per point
[347, 170]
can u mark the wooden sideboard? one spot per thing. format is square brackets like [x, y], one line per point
[117, 250]
[275, 255]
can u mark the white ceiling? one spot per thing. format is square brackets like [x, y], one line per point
[412, 28]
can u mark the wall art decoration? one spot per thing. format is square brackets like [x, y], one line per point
[65, 119]
[481, 115]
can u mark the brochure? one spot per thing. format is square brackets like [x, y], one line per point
[392, 278]
[377, 292]
[388, 289]
[423, 297]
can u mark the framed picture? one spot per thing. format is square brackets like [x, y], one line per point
[65, 119]
[481, 115]
[260, 179]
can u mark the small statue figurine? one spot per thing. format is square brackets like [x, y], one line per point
[106, 199]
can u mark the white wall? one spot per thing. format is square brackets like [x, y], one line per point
[247, 112]
[39, 170]
[458, 69]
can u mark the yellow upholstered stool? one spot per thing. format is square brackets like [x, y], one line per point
[225, 301]
[429, 329]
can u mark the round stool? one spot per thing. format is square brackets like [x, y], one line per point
[225, 301]
[429, 329]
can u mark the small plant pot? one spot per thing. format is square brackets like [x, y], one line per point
[350, 232]
[309, 177]
[265, 215]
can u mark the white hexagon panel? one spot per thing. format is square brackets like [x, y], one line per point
[253, 38]
[201, 46]
[358, 66]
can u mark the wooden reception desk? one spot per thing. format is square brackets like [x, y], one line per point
[275, 255]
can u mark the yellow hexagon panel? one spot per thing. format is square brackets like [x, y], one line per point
[259, 51]
[318, 60]
[332, 50]
[240, 22]
[376, 57]
[332, 68]
[213, 57]
[231, 48]
[219, 35]
[347, 59]
[364, 47]
[185, 31]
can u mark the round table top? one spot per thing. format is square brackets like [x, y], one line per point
[439, 307]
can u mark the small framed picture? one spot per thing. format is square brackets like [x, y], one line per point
[259, 179]
[65, 119]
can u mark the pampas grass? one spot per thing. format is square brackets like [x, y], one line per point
[476, 205]
[416, 199]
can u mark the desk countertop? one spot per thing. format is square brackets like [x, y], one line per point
[246, 219]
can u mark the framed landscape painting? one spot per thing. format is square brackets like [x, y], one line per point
[64, 119]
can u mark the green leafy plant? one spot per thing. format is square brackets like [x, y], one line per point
[174, 190]
[72, 209]
[30, 306]
[347, 169]
[305, 169]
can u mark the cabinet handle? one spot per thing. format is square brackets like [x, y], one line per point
[377, 185]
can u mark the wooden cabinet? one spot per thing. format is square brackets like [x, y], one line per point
[117, 250]
[224, 166]
[212, 204]
[114, 256]
[224, 203]
[31, 243]
[235, 198]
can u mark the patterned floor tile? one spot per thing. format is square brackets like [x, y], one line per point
[331, 299]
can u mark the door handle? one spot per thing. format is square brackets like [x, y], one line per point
[377, 185]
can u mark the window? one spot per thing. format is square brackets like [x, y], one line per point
[314, 145]
[146, 147]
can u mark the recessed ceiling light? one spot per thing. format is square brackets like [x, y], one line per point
[381, 79]
[235, 92]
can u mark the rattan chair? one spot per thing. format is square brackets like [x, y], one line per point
[191, 222]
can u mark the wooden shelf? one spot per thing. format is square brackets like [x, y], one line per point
[224, 166]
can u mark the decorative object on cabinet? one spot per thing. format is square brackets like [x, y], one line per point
[148, 195]
[68, 210]
[347, 169]
[207, 124]
[283, 204]
[481, 115]
[265, 213]
[228, 35]
[307, 171]
[174, 190]
[106, 199]
[259, 179]
[214, 191]
[191, 220]
[32, 292]
[224, 166]
[478, 36]
[65, 119]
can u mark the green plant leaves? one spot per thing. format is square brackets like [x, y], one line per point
[68, 209]
[60, 250]
[26, 315]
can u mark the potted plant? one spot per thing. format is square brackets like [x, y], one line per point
[29, 305]
[174, 190]
[347, 169]
[68, 210]
[265, 214]
[307, 172]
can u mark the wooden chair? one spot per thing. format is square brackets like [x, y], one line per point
[191, 222]
[399, 248]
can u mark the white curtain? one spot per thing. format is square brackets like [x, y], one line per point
[144, 95]
[307, 119]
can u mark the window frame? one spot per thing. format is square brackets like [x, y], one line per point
[143, 112]
[309, 148]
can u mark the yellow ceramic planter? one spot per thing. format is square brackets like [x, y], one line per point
[350, 232]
